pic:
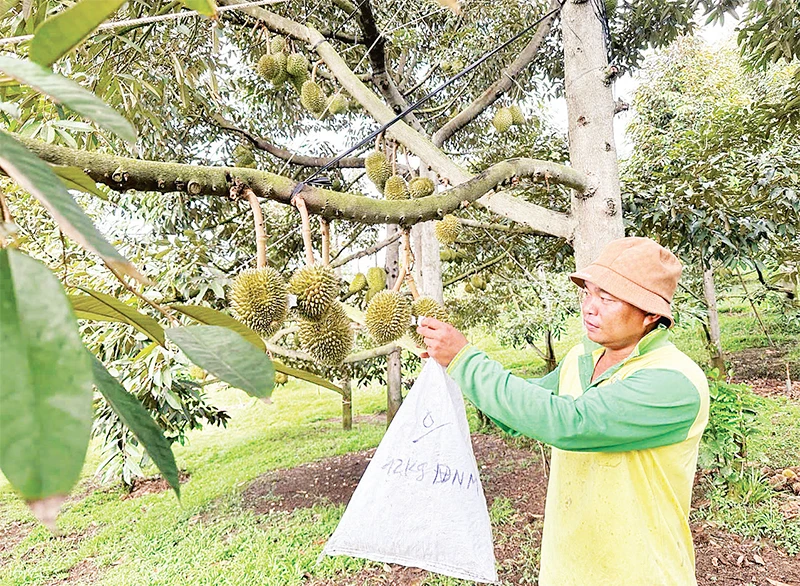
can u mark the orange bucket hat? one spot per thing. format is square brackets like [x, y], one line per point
[637, 270]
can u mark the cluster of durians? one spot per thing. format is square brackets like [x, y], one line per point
[392, 185]
[279, 67]
[390, 314]
[506, 117]
[476, 283]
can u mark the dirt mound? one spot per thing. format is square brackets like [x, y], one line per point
[514, 473]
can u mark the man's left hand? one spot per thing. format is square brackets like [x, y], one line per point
[443, 341]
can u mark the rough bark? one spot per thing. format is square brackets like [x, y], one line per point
[597, 213]
[121, 173]
[714, 339]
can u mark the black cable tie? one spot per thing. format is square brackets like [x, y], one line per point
[297, 189]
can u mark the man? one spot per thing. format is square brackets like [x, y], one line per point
[624, 412]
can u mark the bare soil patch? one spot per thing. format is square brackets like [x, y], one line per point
[770, 387]
[761, 363]
[517, 474]
[152, 485]
[84, 572]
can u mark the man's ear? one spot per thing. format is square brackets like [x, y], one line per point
[650, 319]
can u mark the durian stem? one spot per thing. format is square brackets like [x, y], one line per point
[301, 207]
[400, 278]
[405, 265]
[161, 309]
[326, 241]
[261, 235]
[412, 286]
[394, 158]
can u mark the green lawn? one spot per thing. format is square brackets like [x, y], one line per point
[209, 538]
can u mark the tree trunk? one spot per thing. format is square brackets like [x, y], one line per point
[549, 352]
[347, 401]
[394, 395]
[597, 214]
[714, 341]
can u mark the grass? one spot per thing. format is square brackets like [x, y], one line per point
[210, 538]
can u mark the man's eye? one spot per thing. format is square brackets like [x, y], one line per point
[606, 299]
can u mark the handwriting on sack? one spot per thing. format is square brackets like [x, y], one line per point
[441, 475]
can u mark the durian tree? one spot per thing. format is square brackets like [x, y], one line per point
[229, 109]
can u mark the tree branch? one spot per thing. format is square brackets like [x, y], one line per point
[121, 173]
[367, 251]
[265, 145]
[503, 84]
[499, 227]
[473, 270]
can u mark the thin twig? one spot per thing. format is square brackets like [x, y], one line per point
[367, 251]
[161, 309]
[325, 228]
[753, 305]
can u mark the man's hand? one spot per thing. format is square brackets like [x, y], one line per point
[443, 340]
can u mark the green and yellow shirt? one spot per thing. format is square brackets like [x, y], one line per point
[623, 462]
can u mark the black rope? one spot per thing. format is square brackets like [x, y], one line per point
[313, 181]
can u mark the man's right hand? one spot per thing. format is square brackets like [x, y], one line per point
[442, 340]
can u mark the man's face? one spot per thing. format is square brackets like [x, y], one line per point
[611, 322]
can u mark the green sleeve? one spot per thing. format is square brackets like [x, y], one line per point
[650, 408]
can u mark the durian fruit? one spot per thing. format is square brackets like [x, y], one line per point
[376, 278]
[312, 98]
[243, 157]
[281, 77]
[297, 65]
[196, 372]
[337, 104]
[281, 378]
[359, 283]
[298, 81]
[447, 229]
[277, 44]
[378, 168]
[427, 307]
[421, 187]
[448, 255]
[517, 117]
[468, 288]
[258, 298]
[315, 286]
[502, 120]
[396, 188]
[388, 316]
[268, 66]
[330, 339]
[478, 282]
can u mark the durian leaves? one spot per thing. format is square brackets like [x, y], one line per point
[212, 317]
[65, 91]
[35, 176]
[64, 31]
[102, 307]
[46, 383]
[138, 420]
[228, 356]
[74, 178]
[206, 7]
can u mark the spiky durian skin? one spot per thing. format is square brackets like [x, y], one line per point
[421, 187]
[447, 229]
[378, 168]
[258, 298]
[312, 98]
[468, 288]
[517, 117]
[316, 287]
[478, 282]
[328, 340]
[296, 65]
[396, 188]
[268, 67]
[502, 120]
[281, 378]
[277, 44]
[243, 157]
[359, 283]
[427, 307]
[337, 104]
[388, 316]
[376, 278]
[297, 81]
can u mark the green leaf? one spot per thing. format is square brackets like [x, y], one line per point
[67, 92]
[101, 307]
[212, 317]
[207, 7]
[34, 175]
[61, 33]
[306, 376]
[228, 356]
[138, 420]
[46, 382]
[74, 178]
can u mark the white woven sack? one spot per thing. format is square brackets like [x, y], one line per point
[420, 502]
